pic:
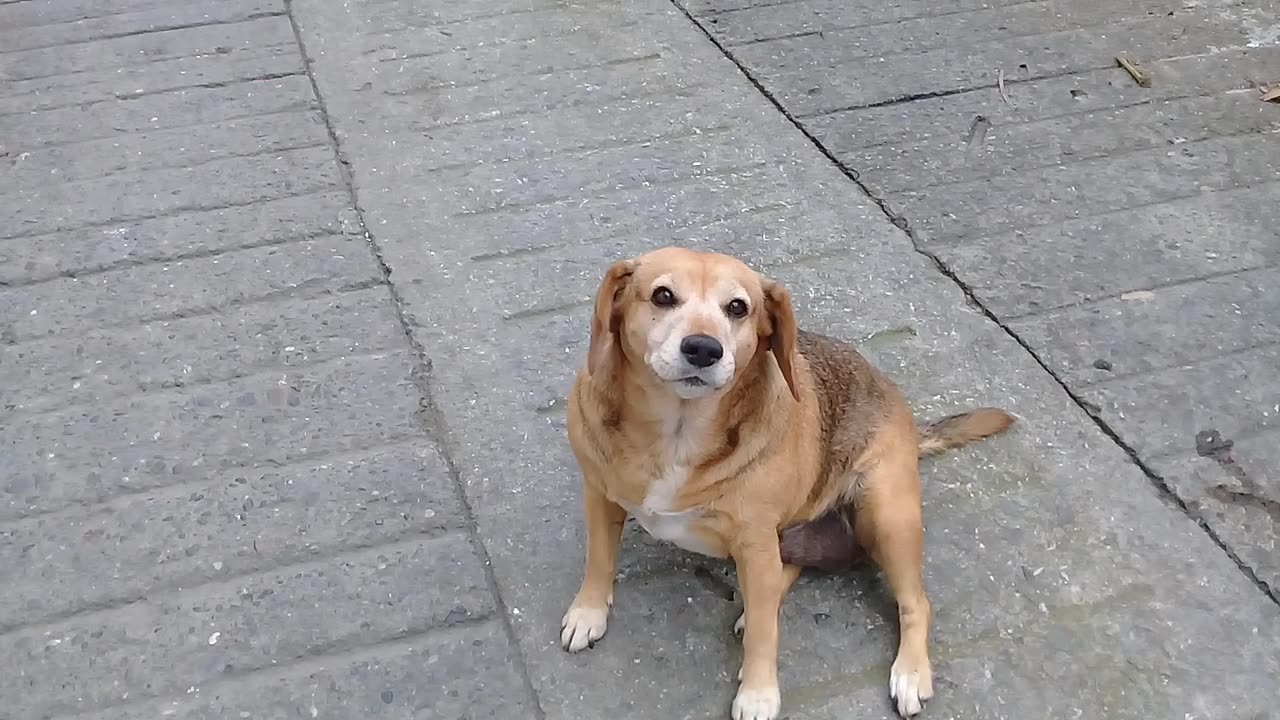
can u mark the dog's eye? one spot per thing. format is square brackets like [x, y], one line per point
[736, 308]
[663, 297]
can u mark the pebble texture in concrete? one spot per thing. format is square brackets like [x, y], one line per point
[284, 430]
[503, 154]
[223, 495]
[1127, 235]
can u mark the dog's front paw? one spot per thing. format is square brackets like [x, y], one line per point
[582, 627]
[757, 703]
[910, 685]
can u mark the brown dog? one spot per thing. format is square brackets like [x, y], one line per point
[703, 412]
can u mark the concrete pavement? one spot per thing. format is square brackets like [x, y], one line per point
[1126, 235]
[290, 298]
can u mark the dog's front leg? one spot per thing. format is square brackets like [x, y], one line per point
[588, 616]
[764, 580]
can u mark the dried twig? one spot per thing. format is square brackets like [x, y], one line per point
[1000, 84]
[1139, 75]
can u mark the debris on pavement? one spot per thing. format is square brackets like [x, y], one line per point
[1140, 76]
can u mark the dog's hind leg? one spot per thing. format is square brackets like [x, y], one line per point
[889, 526]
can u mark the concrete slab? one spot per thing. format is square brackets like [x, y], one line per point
[222, 488]
[173, 641]
[129, 21]
[178, 147]
[247, 478]
[164, 76]
[1063, 195]
[172, 237]
[1051, 555]
[142, 293]
[186, 108]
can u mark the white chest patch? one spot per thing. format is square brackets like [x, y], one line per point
[675, 528]
[657, 518]
[657, 515]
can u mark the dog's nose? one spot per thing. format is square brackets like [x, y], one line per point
[701, 350]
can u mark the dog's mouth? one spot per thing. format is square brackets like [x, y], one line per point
[693, 381]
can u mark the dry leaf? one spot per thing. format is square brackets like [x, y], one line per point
[1271, 94]
[1138, 295]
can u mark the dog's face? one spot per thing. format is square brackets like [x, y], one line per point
[694, 320]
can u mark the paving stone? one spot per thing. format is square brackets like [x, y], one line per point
[408, 14]
[223, 527]
[487, 30]
[893, 29]
[180, 108]
[764, 21]
[34, 14]
[146, 48]
[1236, 491]
[968, 210]
[174, 641]
[146, 194]
[1122, 574]
[146, 292]
[164, 149]
[576, 129]
[507, 63]
[194, 232]
[996, 150]
[951, 116]
[167, 16]
[1161, 413]
[841, 79]
[462, 673]
[98, 365]
[134, 82]
[647, 76]
[89, 454]
[482, 189]
[1063, 264]
[1152, 330]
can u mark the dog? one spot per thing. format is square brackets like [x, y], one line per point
[704, 412]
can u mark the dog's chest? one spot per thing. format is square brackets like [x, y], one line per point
[657, 514]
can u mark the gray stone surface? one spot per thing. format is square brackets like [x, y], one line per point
[133, 21]
[141, 195]
[223, 494]
[185, 234]
[186, 108]
[1125, 234]
[1066, 584]
[249, 474]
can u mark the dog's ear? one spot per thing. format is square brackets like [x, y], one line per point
[782, 331]
[604, 322]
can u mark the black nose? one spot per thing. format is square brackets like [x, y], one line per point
[701, 350]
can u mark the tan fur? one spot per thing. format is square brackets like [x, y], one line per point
[805, 425]
[962, 429]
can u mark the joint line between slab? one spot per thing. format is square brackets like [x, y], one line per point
[430, 416]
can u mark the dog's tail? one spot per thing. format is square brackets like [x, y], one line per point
[962, 429]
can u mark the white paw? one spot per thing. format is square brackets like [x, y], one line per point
[582, 627]
[740, 624]
[757, 704]
[910, 686]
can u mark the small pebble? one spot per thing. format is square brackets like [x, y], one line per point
[1102, 364]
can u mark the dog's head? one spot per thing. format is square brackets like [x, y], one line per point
[694, 320]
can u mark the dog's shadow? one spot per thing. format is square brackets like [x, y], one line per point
[850, 599]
